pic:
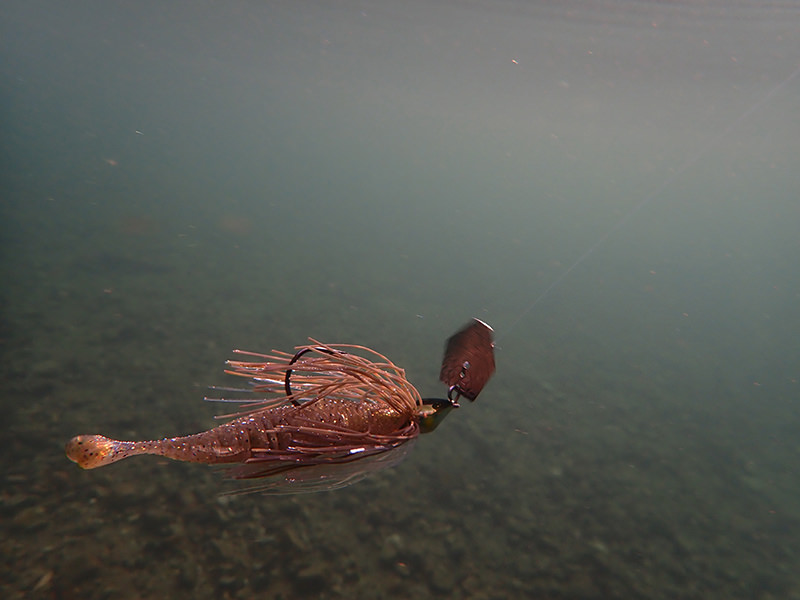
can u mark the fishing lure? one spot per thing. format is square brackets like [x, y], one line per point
[330, 415]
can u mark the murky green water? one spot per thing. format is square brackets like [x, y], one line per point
[180, 181]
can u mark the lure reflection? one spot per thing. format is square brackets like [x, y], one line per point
[328, 415]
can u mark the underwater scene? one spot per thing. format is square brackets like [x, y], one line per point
[570, 227]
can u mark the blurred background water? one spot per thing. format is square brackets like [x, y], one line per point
[181, 179]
